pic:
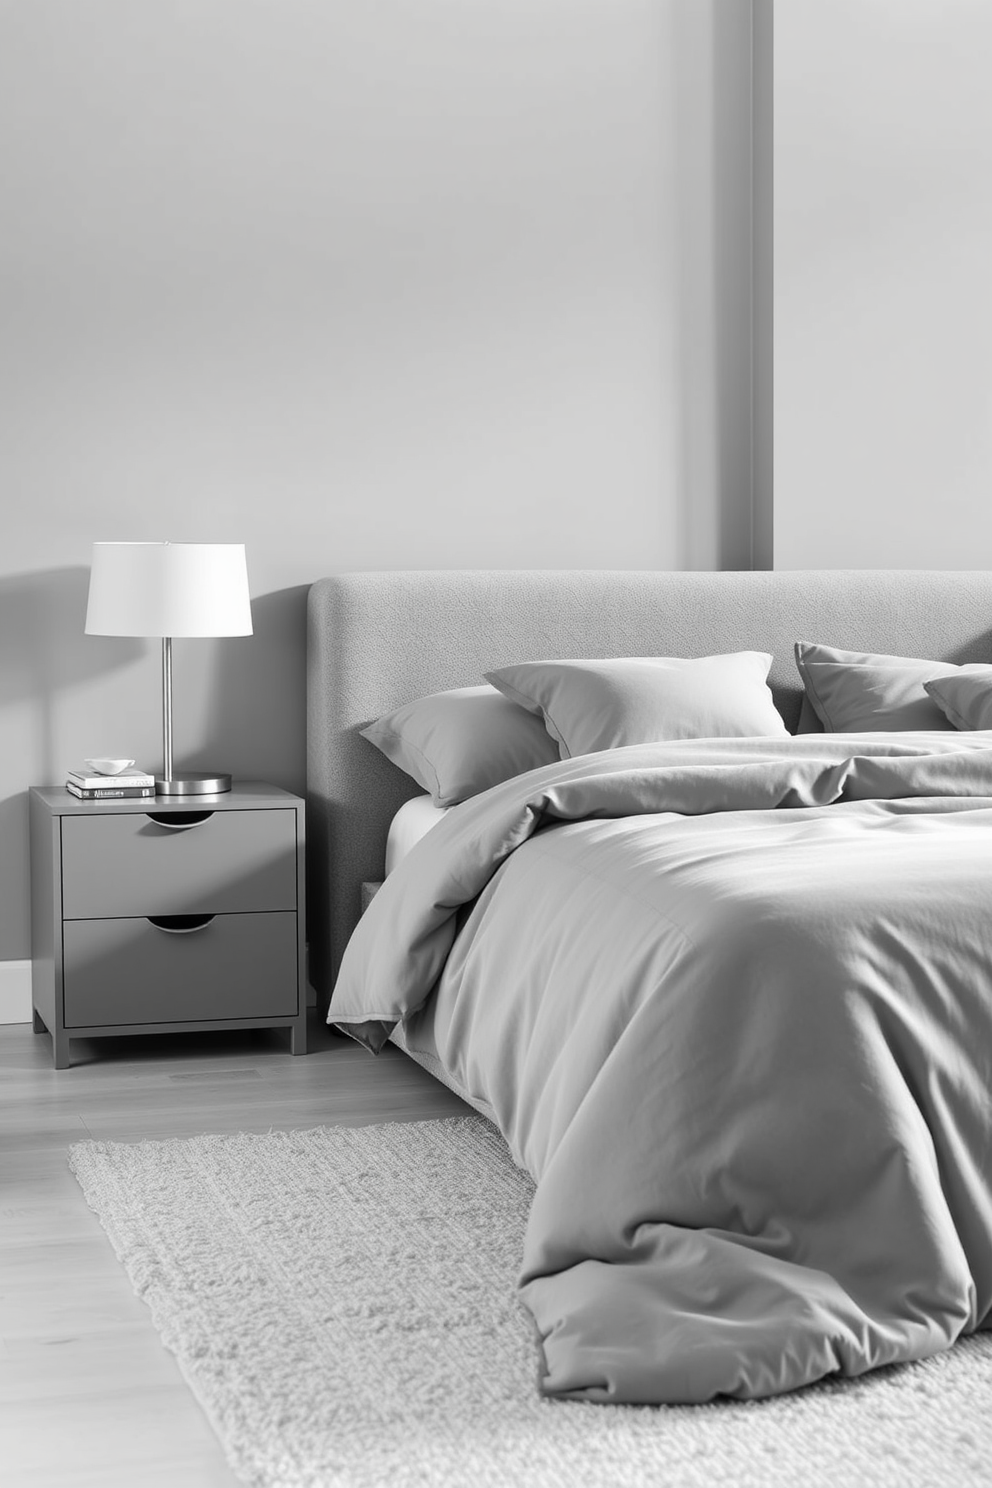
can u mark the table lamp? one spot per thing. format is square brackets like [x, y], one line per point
[170, 589]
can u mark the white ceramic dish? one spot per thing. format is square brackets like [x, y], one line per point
[109, 766]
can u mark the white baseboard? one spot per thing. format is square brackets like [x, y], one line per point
[15, 991]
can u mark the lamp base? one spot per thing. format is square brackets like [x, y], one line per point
[191, 784]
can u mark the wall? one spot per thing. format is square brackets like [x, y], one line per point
[763, 284]
[405, 283]
[882, 308]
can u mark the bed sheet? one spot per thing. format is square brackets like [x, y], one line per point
[413, 821]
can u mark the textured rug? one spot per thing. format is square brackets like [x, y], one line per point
[341, 1302]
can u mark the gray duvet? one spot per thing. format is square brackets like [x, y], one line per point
[730, 1003]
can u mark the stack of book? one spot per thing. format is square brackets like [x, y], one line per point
[132, 785]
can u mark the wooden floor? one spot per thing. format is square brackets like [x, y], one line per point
[89, 1398]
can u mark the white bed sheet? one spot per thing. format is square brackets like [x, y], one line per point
[413, 821]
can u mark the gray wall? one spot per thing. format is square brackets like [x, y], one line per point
[763, 285]
[882, 303]
[404, 284]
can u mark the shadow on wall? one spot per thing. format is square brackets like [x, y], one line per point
[15, 935]
[712, 125]
[43, 650]
[255, 714]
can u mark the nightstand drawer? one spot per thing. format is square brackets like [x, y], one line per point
[128, 971]
[131, 864]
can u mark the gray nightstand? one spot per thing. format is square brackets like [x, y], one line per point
[167, 915]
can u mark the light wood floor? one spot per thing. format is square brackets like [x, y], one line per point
[89, 1398]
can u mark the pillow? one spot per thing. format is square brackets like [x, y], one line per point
[458, 743]
[965, 697]
[590, 705]
[861, 692]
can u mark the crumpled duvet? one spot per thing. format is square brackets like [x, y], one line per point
[730, 1003]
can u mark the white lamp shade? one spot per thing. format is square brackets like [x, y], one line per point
[168, 589]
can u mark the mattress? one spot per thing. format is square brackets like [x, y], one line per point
[413, 821]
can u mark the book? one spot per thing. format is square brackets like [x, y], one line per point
[86, 780]
[111, 792]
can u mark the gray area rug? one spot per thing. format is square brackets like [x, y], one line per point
[342, 1303]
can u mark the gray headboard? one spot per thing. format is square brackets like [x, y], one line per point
[375, 640]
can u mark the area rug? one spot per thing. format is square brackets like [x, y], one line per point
[342, 1304]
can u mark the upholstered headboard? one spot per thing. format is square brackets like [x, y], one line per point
[375, 640]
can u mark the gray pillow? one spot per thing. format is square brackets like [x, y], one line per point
[458, 743]
[590, 705]
[965, 697]
[864, 692]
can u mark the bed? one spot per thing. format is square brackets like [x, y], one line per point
[751, 1075]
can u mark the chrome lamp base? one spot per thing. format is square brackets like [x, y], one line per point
[182, 782]
[188, 784]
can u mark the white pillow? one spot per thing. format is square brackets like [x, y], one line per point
[460, 742]
[965, 697]
[591, 705]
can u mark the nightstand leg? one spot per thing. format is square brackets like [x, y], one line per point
[298, 1037]
[38, 1022]
[60, 1049]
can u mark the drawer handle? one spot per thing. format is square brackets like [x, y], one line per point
[181, 924]
[178, 821]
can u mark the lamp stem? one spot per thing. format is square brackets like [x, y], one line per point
[166, 707]
[187, 783]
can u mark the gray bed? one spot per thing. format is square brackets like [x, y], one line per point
[728, 999]
[375, 640]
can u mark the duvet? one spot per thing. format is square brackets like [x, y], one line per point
[730, 1003]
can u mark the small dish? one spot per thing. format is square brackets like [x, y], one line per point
[109, 766]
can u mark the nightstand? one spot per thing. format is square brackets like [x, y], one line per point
[167, 915]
